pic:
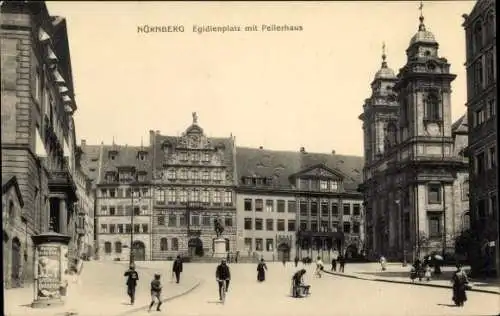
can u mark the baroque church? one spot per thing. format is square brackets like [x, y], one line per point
[415, 182]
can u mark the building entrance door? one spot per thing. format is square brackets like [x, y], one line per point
[16, 263]
[283, 252]
[139, 251]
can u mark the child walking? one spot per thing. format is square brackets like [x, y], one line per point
[155, 292]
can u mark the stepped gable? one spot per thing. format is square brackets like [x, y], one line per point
[281, 164]
[126, 156]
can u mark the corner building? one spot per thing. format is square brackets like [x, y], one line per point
[194, 181]
[298, 204]
[414, 174]
[482, 108]
[38, 132]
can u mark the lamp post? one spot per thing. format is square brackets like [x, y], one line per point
[402, 230]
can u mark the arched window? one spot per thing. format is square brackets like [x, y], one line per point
[466, 221]
[478, 36]
[175, 244]
[107, 247]
[490, 26]
[163, 244]
[392, 133]
[118, 247]
[433, 107]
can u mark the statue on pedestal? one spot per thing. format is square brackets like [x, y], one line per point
[219, 227]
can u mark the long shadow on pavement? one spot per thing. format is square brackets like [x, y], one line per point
[447, 305]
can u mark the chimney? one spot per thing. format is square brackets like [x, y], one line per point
[302, 150]
[83, 144]
[151, 137]
[260, 147]
[333, 152]
[157, 132]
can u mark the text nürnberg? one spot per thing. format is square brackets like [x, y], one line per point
[219, 28]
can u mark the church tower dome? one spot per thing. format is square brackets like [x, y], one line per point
[385, 72]
[423, 36]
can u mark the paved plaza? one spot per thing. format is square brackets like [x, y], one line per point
[101, 291]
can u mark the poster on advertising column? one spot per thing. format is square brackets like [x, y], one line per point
[49, 271]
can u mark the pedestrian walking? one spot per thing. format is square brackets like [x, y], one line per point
[177, 268]
[296, 261]
[156, 292]
[427, 274]
[319, 267]
[261, 270]
[132, 278]
[342, 263]
[383, 263]
[284, 262]
[460, 285]
[335, 257]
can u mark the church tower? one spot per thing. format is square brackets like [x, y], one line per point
[426, 167]
[380, 116]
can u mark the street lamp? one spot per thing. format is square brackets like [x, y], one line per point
[401, 221]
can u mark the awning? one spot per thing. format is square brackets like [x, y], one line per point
[51, 55]
[66, 98]
[63, 89]
[58, 78]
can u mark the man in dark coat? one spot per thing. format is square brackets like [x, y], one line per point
[296, 261]
[132, 278]
[341, 262]
[222, 273]
[177, 268]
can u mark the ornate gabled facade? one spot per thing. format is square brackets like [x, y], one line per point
[410, 187]
[482, 106]
[38, 133]
[298, 204]
[123, 202]
[193, 185]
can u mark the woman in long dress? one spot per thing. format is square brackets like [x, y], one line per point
[261, 270]
[460, 282]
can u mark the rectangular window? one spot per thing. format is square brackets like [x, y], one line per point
[258, 224]
[248, 224]
[248, 244]
[335, 226]
[292, 207]
[104, 210]
[465, 190]
[314, 226]
[182, 220]
[161, 220]
[303, 209]
[112, 211]
[493, 204]
[137, 228]
[347, 209]
[248, 204]
[228, 221]
[128, 228]
[324, 227]
[228, 198]
[356, 209]
[347, 227]
[303, 225]
[434, 193]
[172, 220]
[216, 197]
[112, 193]
[304, 184]
[480, 163]
[144, 228]
[160, 196]
[137, 210]
[104, 193]
[195, 220]
[281, 225]
[334, 186]
[291, 225]
[121, 228]
[479, 117]
[269, 244]
[111, 228]
[269, 206]
[355, 228]
[335, 209]
[434, 226]
[314, 208]
[205, 221]
[324, 209]
[258, 244]
[281, 206]
[269, 224]
[323, 185]
[259, 205]
[491, 108]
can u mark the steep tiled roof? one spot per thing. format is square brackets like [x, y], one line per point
[127, 156]
[460, 125]
[281, 164]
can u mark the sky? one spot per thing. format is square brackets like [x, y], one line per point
[278, 89]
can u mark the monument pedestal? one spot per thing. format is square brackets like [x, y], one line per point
[51, 263]
[220, 248]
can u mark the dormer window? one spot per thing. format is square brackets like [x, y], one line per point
[110, 177]
[141, 177]
[112, 155]
[142, 155]
[334, 186]
[432, 107]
